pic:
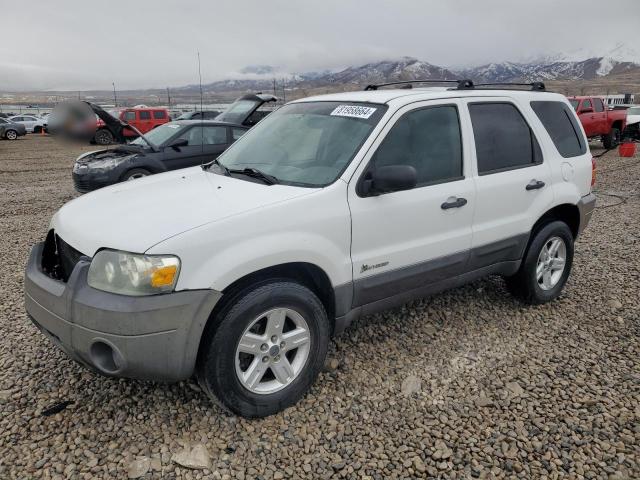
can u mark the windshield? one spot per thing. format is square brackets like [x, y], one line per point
[574, 104]
[633, 111]
[306, 144]
[159, 135]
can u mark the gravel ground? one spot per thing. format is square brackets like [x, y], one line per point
[465, 384]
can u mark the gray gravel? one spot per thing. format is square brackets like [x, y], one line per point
[465, 384]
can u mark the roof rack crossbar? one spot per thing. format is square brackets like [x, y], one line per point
[534, 86]
[461, 84]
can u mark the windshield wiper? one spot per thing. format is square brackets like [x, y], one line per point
[206, 166]
[255, 173]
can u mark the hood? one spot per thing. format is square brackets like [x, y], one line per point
[134, 216]
[120, 153]
[242, 108]
[633, 119]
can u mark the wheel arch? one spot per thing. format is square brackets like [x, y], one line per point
[307, 274]
[617, 124]
[566, 212]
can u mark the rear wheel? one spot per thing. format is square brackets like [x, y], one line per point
[266, 350]
[103, 137]
[11, 135]
[135, 173]
[546, 265]
[611, 139]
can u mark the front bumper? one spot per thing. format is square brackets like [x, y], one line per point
[586, 206]
[151, 338]
[89, 181]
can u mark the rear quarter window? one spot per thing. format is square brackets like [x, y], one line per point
[561, 125]
[159, 114]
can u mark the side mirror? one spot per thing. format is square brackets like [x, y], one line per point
[391, 178]
[177, 143]
[586, 110]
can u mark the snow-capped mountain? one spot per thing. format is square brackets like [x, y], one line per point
[406, 68]
[578, 65]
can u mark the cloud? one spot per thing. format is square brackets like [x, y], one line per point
[74, 44]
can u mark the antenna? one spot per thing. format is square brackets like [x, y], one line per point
[201, 114]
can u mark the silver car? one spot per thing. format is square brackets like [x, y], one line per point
[11, 130]
[32, 123]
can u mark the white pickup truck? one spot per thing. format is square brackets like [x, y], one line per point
[332, 207]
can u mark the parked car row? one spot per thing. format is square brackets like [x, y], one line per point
[162, 146]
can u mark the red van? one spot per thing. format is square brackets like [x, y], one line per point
[142, 118]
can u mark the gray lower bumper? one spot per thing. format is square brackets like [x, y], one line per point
[153, 338]
[586, 206]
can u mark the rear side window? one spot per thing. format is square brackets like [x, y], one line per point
[158, 114]
[586, 104]
[561, 125]
[145, 115]
[427, 139]
[503, 138]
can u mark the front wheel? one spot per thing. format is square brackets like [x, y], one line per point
[546, 265]
[611, 139]
[11, 135]
[135, 173]
[267, 348]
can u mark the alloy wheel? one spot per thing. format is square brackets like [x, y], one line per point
[551, 263]
[272, 351]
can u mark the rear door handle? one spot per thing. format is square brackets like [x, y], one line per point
[535, 184]
[454, 202]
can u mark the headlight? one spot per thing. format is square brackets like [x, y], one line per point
[133, 274]
[105, 164]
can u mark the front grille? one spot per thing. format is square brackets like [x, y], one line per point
[58, 257]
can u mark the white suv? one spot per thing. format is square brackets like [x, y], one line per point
[330, 208]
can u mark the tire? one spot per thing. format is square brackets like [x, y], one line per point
[221, 367]
[11, 135]
[135, 173]
[530, 286]
[611, 139]
[37, 129]
[103, 137]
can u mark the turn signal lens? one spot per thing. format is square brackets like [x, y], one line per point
[164, 276]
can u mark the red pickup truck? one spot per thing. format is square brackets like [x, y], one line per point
[597, 121]
[142, 118]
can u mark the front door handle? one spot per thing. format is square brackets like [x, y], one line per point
[454, 202]
[535, 184]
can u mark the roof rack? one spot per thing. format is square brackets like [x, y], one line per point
[533, 86]
[461, 84]
[465, 84]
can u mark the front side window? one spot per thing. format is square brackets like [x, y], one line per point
[562, 127]
[597, 103]
[236, 133]
[145, 115]
[159, 135]
[503, 138]
[586, 105]
[130, 116]
[307, 144]
[428, 140]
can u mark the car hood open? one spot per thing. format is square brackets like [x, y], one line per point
[134, 216]
[120, 153]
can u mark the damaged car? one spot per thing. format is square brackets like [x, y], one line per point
[171, 146]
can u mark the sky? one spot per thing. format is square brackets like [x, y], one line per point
[82, 45]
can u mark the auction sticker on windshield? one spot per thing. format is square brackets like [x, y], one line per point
[355, 111]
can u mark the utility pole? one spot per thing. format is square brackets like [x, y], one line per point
[115, 98]
[168, 97]
[284, 95]
[274, 87]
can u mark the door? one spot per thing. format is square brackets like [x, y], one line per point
[204, 144]
[600, 117]
[587, 117]
[408, 239]
[513, 182]
[145, 123]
